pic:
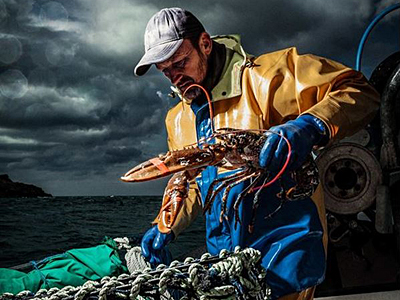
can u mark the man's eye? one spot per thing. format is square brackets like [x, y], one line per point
[180, 64]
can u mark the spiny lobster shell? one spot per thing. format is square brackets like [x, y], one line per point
[244, 146]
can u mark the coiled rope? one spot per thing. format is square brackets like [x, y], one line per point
[230, 275]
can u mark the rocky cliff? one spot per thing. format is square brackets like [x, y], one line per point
[10, 189]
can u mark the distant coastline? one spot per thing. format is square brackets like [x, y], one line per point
[11, 189]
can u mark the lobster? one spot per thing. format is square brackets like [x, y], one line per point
[234, 149]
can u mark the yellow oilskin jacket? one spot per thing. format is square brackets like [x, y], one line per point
[268, 90]
[257, 93]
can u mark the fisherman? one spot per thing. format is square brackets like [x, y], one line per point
[310, 100]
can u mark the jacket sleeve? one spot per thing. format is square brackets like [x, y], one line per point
[341, 97]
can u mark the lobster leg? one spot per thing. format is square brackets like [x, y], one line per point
[256, 202]
[211, 194]
[241, 196]
[230, 186]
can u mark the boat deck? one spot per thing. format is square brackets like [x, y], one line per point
[389, 295]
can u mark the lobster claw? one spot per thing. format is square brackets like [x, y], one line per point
[185, 164]
[173, 162]
[152, 169]
[175, 193]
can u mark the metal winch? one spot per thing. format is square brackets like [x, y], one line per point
[360, 172]
[350, 175]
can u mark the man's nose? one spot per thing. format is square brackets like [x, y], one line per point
[173, 76]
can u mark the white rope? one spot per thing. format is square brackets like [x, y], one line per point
[231, 266]
[137, 283]
[200, 279]
[123, 243]
[135, 260]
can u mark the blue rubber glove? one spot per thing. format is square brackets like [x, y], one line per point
[154, 246]
[302, 133]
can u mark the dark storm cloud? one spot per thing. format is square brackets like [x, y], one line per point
[73, 118]
[73, 109]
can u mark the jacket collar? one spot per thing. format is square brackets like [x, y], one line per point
[229, 85]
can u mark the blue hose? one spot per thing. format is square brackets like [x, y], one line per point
[369, 29]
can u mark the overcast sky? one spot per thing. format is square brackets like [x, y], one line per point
[73, 119]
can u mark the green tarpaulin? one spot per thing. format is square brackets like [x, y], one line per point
[73, 267]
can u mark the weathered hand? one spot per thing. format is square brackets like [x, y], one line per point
[154, 246]
[302, 133]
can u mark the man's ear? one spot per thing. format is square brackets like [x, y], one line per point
[205, 43]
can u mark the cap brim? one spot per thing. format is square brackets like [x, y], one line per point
[156, 55]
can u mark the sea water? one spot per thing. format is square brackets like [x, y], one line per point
[35, 228]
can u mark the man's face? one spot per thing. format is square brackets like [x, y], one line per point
[187, 66]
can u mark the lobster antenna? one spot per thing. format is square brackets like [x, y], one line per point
[210, 105]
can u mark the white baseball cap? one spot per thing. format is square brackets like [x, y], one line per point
[164, 34]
